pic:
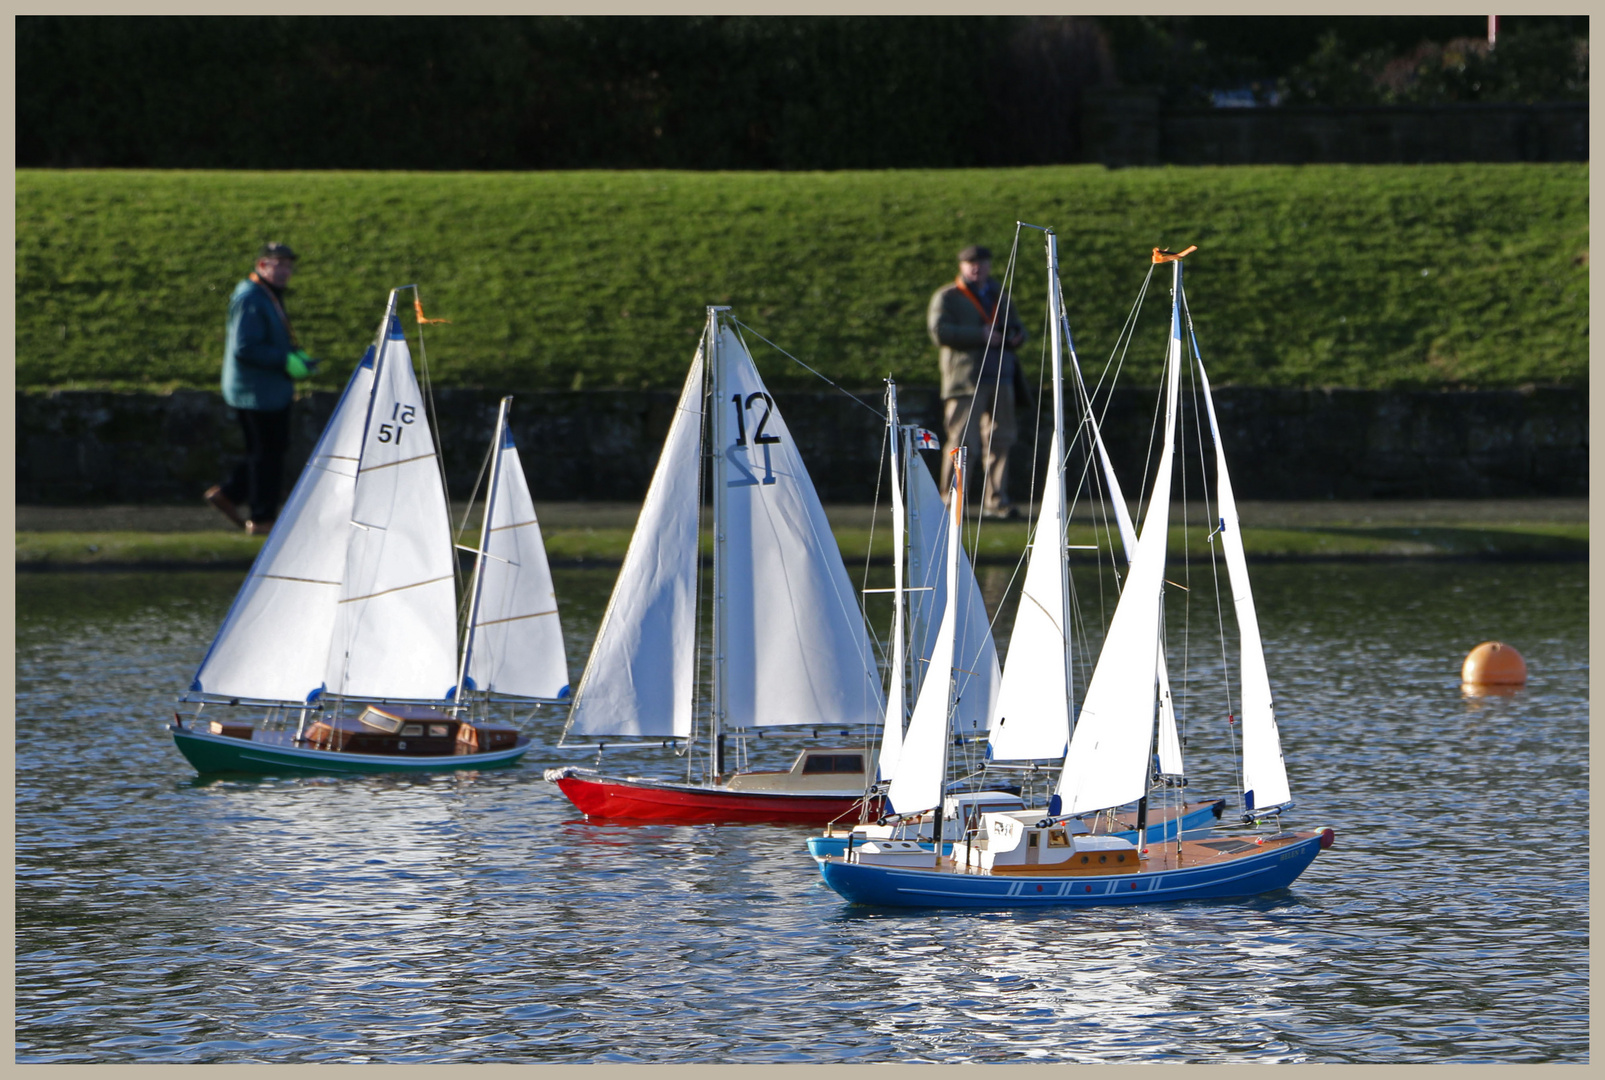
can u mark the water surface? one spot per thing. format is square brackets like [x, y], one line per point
[475, 917]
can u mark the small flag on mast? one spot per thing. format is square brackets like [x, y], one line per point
[926, 440]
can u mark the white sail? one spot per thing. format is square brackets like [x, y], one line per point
[641, 677]
[795, 647]
[514, 643]
[897, 669]
[1264, 772]
[1170, 755]
[975, 673]
[1033, 710]
[918, 783]
[395, 635]
[1109, 758]
[274, 643]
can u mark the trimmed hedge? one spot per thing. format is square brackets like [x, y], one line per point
[1356, 276]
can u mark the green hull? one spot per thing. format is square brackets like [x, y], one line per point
[211, 753]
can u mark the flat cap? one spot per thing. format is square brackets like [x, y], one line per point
[975, 253]
[275, 250]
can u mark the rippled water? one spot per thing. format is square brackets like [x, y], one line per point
[473, 918]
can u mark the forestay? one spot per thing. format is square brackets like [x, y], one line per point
[1109, 757]
[795, 647]
[975, 666]
[395, 633]
[514, 642]
[274, 643]
[641, 676]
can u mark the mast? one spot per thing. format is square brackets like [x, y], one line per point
[949, 618]
[1174, 370]
[1056, 477]
[716, 440]
[477, 585]
[892, 730]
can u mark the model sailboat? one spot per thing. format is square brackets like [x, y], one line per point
[1010, 861]
[789, 646]
[345, 630]
[1030, 717]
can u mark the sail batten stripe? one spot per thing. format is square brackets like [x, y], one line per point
[393, 464]
[515, 618]
[398, 588]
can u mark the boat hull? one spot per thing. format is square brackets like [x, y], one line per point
[1248, 875]
[211, 753]
[1199, 817]
[638, 799]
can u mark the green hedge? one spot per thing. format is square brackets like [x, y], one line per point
[1357, 276]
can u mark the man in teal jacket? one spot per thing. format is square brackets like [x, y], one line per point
[261, 362]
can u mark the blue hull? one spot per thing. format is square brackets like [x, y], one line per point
[823, 847]
[1249, 875]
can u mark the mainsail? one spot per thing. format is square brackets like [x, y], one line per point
[641, 676]
[921, 768]
[395, 634]
[274, 643]
[513, 644]
[1034, 706]
[1170, 754]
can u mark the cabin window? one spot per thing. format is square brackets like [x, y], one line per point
[833, 763]
[439, 730]
[1058, 838]
[1031, 840]
[411, 729]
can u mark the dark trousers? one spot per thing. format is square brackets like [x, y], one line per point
[258, 480]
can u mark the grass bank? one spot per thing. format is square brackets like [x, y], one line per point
[1355, 276]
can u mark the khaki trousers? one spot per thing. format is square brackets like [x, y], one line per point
[983, 422]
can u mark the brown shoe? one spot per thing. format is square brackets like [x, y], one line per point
[225, 505]
[258, 528]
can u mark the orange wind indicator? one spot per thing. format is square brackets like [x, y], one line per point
[418, 309]
[1163, 256]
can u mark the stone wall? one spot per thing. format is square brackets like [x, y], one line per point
[86, 447]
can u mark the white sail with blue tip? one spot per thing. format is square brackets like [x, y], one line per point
[513, 644]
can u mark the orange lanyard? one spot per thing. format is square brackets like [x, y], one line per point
[972, 298]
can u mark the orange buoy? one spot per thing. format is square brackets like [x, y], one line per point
[1493, 663]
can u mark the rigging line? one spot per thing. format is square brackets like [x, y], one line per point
[1001, 309]
[875, 508]
[743, 326]
[434, 428]
[1198, 435]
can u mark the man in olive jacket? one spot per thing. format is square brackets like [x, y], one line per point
[980, 377]
[261, 362]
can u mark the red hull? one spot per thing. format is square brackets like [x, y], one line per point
[696, 804]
